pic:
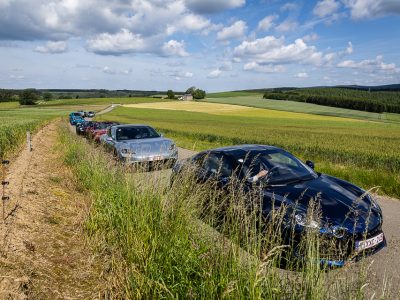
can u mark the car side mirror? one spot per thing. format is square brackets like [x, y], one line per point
[310, 164]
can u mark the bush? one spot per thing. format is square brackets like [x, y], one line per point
[28, 97]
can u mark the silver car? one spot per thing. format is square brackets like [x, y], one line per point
[136, 143]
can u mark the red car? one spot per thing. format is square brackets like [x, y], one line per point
[98, 129]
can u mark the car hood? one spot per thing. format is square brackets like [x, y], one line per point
[147, 146]
[339, 201]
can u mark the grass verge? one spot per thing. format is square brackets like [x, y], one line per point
[159, 248]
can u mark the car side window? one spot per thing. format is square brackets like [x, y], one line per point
[215, 163]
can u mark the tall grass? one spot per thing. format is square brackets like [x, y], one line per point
[350, 149]
[14, 123]
[161, 241]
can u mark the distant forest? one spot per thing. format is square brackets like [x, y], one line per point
[8, 95]
[359, 98]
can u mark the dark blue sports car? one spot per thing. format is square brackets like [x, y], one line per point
[349, 216]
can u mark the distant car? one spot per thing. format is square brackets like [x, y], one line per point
[81, 127]
[75, 117]
[350, 217]
[90, 114]
[137, 143]
[100, 128]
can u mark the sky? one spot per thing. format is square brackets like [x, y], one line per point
[216, 45]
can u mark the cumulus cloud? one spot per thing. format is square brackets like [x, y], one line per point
[326, 8]
[122, 42]
[269, 68]
[214, 74]
[174, 48]
[52, 47]
[301, 75]
[213, 6]
[235, 31]
[267, 23]
[370, 65]
[273, 50]
[367, 9]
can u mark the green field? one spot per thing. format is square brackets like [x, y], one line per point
[15, 121]
[100, 101]
[348, 148]
[234, 94]
[258, 101]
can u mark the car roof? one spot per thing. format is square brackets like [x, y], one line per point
[132, 125]
[240, 151]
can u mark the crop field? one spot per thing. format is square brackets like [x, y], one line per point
[347, 148]
[15, 121]
[101, 101]
[258, 101]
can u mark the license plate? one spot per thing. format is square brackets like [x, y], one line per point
[363, 245]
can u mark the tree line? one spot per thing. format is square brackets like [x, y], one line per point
[339, 97]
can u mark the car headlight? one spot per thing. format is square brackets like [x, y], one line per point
[373, 202]
[302, 220]
[338, 231]
[126, 151]
[172, 147]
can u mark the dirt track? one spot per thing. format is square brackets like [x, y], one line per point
[43, 253]
[42, 246]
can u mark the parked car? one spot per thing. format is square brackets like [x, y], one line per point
[136, 143]
[75, 117]
[90, 114]
[349, 216]
[81, 127]
[98, 129]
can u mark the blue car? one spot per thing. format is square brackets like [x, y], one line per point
[75, 118]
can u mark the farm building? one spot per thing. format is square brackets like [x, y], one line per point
[186, 97]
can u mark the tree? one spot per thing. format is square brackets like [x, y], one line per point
[191, 90]
[170, 94]
[47, 96]
[196, 93]
[28, 97]
[199, 94]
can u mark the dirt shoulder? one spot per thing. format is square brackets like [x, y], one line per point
[43, 250]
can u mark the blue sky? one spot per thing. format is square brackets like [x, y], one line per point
[215, 45]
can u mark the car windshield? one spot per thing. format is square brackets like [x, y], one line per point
[102, 125]
[282, 167]
[77, 115]
[134, 133]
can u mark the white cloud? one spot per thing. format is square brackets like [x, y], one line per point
[287, 25]
[301, 75]
[235, 31]
[349, 49]
[111, 71]
[366, 9]
[174, 48]
[267, 23]
[370, 65]
[17, 77]
[310, 37]
[214, 74]
[274, 51]
[181, 74]
[213, 6]
[326, 8]
[269, 68]
[289, 6]
[122, 42]
[52, 47]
